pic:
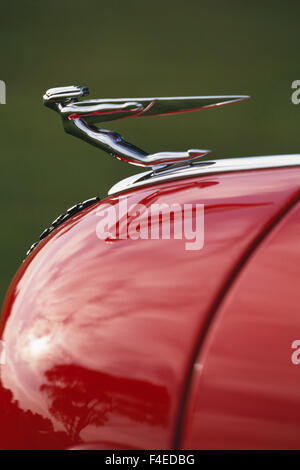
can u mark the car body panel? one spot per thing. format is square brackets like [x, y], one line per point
[245, 386]
[100, 335]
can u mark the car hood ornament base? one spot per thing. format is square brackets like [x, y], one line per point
[80, 119]
[204, 168]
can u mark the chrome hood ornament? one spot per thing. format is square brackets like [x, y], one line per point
[80, 118]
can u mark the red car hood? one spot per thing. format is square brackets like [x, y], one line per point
[100, 336]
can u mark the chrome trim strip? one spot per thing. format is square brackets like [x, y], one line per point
[206, 168]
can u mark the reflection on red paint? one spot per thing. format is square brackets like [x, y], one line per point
[99, 336]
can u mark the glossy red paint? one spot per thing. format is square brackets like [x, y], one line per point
[245, 392]
[100, 336]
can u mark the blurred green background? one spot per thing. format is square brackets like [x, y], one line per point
[134, 48]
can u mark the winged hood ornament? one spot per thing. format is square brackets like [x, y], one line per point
[80, 118]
